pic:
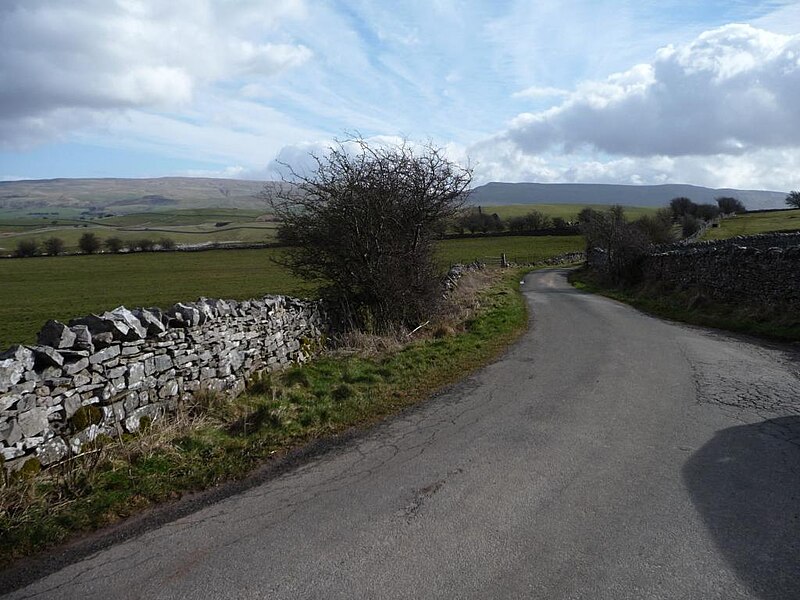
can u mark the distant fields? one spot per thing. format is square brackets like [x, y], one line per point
[565, 211]
[749, 224]
[518, 249]
[197, 226]
[36, 289]
[181, 226]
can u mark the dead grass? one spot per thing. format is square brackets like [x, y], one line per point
[461, 304]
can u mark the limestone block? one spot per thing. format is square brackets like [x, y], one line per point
[104, 355]
[76, 367]
[150, 320]
[135, 376]
[56, 335]
[32, 421]
[52, 451]
[8, 401]
[116, 372]
[152, 411]
[47, 357]
[71, 404]
[10, 432]
[11, 453]
[103, 339]
[83, 338]
[136, 330]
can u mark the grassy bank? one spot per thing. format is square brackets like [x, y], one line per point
[750, 224]
[689, 306]
[220, 440]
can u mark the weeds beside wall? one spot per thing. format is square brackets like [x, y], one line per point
[107, 374]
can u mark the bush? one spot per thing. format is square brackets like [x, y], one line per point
[681, 207]
[54, 246]
[89, 243]
[474, 219]
[143, 245]
[728, 205]
[706, 212]
[365, 222]
[114, 244]
[27, 248]
[166, 244]
[657, 228]
[689, 225]
[533, 221]
[560, 223]
[623, 243]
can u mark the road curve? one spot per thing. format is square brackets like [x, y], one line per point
[608, 454]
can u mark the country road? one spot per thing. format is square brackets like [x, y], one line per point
[608, 454]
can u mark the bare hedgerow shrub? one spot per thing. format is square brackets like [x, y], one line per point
[114, 244]
[27, 248]
[364, 222]
[624, 244]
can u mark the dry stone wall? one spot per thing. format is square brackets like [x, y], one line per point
[761, 270]
[104, 374]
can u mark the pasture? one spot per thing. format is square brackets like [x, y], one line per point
[565, 211]
[36, 289]
[182, 226]
[750, 224]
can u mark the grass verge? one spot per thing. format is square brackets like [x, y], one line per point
[691, 306]
[220, 440]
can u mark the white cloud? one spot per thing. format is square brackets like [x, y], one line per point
[732, 90]
[540, 92]
[83, 58]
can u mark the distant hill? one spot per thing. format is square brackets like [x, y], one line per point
[122, 196]
[626, 195]
[132, 195]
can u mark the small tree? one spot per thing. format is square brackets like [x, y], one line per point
[706, 212]
[144, 244]
[728, 205]
[54, 246]
[27, 248]
[167, 243]
[681, 206]
[657, 228]
[364, 222]
[560, 223]
[623, 243]
[89, 243]
[114, 244]
[689, 225]
[793, 199]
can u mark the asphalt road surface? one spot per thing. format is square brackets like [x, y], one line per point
[608, 454]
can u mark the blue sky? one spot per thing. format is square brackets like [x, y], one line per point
[569, 90]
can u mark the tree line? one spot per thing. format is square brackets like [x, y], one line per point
[91, 243]
[624, 243]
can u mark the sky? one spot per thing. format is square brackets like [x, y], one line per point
[587, 91]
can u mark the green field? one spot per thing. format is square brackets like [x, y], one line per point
[182, 226]
[36, 289]
[565, 211]
[749, 224]
[518, 249]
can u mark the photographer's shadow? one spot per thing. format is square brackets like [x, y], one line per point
[745, 483]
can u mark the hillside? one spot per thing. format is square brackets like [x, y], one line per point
[627, 195]
[71, 197]
[121, 196]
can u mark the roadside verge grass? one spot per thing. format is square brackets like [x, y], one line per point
[691, 306]
[220, 440]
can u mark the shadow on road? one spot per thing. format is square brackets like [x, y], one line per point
[745, 483]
